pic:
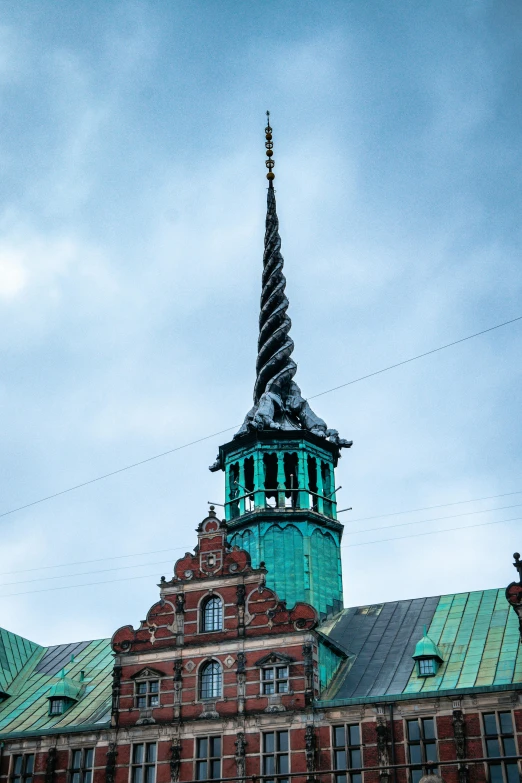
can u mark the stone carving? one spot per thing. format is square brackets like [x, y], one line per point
[382, 749]
[459, 731]
[50, 765]
[308, 670]
[241, 681]
[175, 760]
[514, 592]
[110, 766]
[278, 402]
[310, 748]
[116, 684]
[240, 744]
[178, 687]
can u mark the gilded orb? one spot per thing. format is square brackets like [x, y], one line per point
[270, 153]
[268, 137]
[270, 175]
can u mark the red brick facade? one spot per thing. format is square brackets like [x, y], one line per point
[255, 637]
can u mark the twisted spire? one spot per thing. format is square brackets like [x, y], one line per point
[275, 368]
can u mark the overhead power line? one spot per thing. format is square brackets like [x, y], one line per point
[85, 573]
[84, 562]
[414, 358]
[344, 546]
[430, 532]
[433, 519]
[347, 532]
[440, 505]
[227, 429]
[170, 562]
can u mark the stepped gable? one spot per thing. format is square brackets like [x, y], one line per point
[216, 566]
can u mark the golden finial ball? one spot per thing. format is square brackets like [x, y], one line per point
[269, 153]
[270, 176]
[268, 137]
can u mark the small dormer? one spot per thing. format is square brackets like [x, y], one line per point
[427, 655]
[64, 694]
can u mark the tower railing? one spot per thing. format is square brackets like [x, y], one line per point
[281, 497]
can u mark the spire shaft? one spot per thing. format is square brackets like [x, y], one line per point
[275, 367]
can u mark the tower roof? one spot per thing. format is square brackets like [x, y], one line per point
[278, 402]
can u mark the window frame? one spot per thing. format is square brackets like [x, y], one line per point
[54, 700]
[434, 665]
[348, 748]
[149, 694]
[144, 764]
[202, 613]
[23, 776]
[276, 681]
[277, 754]
[83, 768]
[424, 766]
[201, 672]
[500, 737]
[208, 759]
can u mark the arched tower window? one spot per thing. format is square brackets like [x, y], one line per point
[212, 614]
[210, 681]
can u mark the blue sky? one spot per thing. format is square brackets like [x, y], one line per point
[131, 229]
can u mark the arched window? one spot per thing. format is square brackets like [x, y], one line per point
[212, 615]
[211, 681]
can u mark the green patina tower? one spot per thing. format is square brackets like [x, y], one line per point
[280, 499]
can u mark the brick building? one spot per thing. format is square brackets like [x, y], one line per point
[248, 666]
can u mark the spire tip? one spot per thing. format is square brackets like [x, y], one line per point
[269, 151]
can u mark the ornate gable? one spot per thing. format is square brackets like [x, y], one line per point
[274, 658]
[146, 674]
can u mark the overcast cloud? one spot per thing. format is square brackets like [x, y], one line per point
[133, 195]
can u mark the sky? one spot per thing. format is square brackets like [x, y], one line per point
[132, 205]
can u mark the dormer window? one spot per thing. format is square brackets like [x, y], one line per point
[212, 614]
[427, 655]
[65, 693]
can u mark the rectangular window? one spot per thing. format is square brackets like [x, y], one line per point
[274, 679]
[426, 667]
[143, 767]
[147, 694]
[276, 756]
[82, 762]
[23, 768]
[499, 739]
[422, 747]
[347, 754]
[208, 758]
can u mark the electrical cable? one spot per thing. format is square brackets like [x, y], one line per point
[85, 573]
[413, 358]
[441, 505]
[433, 519]
[227, 429]
[344, 546]
[167, 562]
[431, 532]
[119, 470]
[84, 562]
[85, 584]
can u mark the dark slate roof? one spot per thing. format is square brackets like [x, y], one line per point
[477, 634]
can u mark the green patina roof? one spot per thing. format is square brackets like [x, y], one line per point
[476, 635]
[33, 679]
[426, 648]
[15, 652]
